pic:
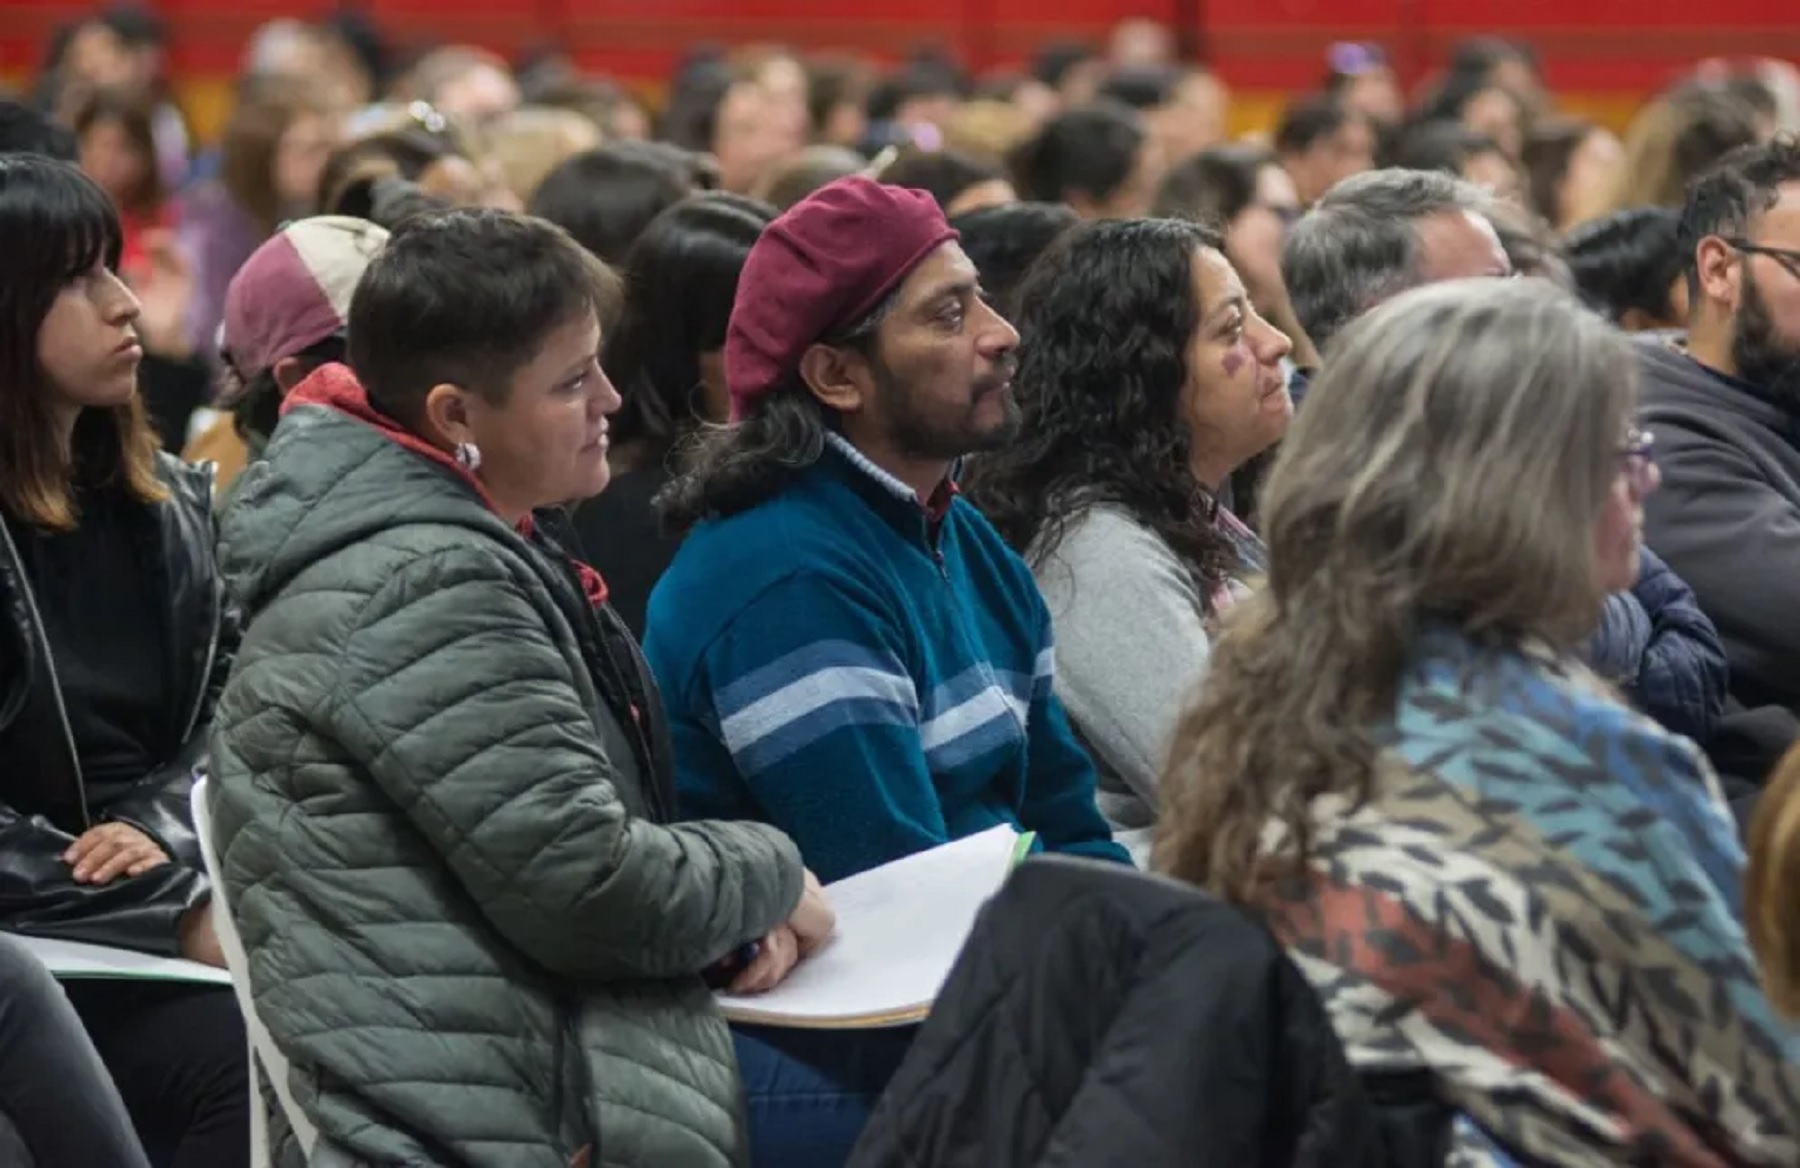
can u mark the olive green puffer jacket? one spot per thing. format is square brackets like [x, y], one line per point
[435, 805]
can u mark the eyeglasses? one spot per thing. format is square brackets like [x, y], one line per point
[1637, 459]
[1787, 257]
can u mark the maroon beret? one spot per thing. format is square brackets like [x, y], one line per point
[821, 267]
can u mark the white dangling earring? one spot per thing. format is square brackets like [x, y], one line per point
[468, 456]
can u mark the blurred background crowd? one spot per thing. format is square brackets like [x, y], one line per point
[346, 114]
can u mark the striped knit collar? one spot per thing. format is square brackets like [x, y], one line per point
[934, 509]
[861, 462]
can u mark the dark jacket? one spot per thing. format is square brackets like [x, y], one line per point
[438, 807]
[172, 389]
[1101, 1017]
[618, 533]
[48, 801]
[1657, 646]
[1727, 518]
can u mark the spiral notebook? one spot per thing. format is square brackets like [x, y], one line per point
[900, 928]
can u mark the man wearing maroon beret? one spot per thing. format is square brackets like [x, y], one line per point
[846, 648]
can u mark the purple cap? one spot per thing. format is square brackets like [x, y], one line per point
[294, 290]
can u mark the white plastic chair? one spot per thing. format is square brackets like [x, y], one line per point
[262, 1047]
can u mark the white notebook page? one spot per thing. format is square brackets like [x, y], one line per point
[899, 930]
[76, 959]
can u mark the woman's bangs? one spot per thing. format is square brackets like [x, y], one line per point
[63, 225]
[89, 229]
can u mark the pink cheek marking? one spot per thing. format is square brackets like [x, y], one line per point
[1233, 361]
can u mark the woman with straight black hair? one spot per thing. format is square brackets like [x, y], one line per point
[666, 355]
[607, 197]
[1145, 378]
[114, 645]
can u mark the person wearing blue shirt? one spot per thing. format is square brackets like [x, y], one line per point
[846, 648]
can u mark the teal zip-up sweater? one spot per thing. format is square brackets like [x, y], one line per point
[871, 679]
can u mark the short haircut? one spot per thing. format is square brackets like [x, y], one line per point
[465, 297]
[1727, 199]
[1003, 243]
[1089, 151]
[1360, 244]
[1308, 121]
[1629, 259]
[24, 130]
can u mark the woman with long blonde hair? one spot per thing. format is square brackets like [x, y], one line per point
[1490, 868]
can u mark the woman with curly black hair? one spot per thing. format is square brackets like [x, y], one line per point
[1145, 378]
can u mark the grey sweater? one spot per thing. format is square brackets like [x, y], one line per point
[1131, 648]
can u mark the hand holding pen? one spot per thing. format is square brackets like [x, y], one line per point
[761, 965]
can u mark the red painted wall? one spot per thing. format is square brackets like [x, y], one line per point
[1601, 48]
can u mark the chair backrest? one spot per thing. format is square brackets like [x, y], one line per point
[1121, 1020]
[262, 1046]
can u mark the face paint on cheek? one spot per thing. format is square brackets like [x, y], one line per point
[1234, 360]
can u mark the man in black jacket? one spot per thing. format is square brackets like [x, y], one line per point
[1724, 406]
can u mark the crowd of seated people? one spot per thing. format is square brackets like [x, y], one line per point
[564, 554]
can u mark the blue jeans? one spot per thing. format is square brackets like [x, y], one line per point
[811, 1091]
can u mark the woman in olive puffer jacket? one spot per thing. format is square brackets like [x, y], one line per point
[443, 792]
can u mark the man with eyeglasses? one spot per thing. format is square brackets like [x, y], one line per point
[1724, 404]
[1378, 234]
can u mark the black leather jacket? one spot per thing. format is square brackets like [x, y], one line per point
[47, 803]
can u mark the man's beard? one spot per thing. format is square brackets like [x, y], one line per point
[916, 433]
[1763, 356]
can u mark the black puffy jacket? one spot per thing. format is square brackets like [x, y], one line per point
[1103, 1018]
[47, 803]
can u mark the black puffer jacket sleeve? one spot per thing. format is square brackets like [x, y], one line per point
[40, 897]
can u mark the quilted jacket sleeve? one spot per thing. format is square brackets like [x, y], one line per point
[1682, 679]
[457, 700]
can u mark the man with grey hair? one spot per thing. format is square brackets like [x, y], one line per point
[1379, 233]
[1383, 232]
